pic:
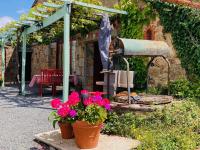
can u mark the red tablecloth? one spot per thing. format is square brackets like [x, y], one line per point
[37, 78]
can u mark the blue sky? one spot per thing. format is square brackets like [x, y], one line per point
[12, 9]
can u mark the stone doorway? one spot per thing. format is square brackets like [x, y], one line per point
[97, 76]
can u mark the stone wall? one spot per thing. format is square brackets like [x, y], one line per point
[43, 57]
[10, 65]
[159, 71]
[84, 58]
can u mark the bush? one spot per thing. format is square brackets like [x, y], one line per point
[1, 82]
[119, 124]
[183, 89]
[173, 128]
[160, 90]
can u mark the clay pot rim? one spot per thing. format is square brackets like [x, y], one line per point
[86, 124]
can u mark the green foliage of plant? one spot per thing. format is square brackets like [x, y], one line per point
[137, 64]
[54, 118]
[159, 90]
[174, 127]
[183, 88]
[119, 124]
[95, 114]
[139, 15]
[183, 22]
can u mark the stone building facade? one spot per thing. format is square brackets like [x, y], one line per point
[86, 48]
[85, 57]
[11, 69]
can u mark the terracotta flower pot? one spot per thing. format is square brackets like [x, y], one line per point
[86, 135]
[66, 130]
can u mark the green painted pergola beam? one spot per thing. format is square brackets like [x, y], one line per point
[3, 61]
[39, 14]
[111, 10]
[31, 19]
[48, 21]
[42, 9]
[52, 5]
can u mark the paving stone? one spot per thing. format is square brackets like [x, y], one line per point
[53, 139]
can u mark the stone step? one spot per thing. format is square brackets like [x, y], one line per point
[54, 141]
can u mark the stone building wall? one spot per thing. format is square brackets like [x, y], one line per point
[84, 57]
[10, 65]
[159, 71]
[43, 57]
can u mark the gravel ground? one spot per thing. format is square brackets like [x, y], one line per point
[21, 118]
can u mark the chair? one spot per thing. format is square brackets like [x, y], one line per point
[57, 79]
[46, 80]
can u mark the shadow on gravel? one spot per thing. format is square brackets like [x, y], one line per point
[11, 98]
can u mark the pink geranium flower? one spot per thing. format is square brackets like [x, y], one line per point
[72, 113]
[74, 99]
[106, 101]
[98, 93]
[87, 102]
[63, 111]
[74, 94]
[56, 103]
[107, 107]
[84, 92]
[100, 102]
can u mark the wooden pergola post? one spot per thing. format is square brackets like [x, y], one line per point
[66, 53]
[3, 62]
[23, 85]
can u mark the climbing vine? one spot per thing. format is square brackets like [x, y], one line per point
[83, 20]
[139, 15]
[184, 25]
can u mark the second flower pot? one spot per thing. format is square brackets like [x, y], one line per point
[86, 135]
[66, 130]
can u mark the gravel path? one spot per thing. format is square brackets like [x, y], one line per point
[21, 118]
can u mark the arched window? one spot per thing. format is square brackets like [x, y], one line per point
[149, 35]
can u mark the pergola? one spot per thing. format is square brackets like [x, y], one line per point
[62, 11]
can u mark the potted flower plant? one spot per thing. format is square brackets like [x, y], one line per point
[64, 115]
[91, 113]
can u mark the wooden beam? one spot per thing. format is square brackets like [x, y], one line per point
[39, 14]
[52, 5]
[48, 21]
[111, 10]
[42, 9]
